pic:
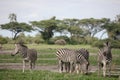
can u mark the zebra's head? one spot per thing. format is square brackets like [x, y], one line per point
[107, 44]
[16, 50]
[107, 47]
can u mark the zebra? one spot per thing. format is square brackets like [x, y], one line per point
[105, 58]
[71, 57]
[28, 55]
[85, 54]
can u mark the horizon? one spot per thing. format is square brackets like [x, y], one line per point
[36, 10]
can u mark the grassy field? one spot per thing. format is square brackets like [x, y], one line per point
[46, 56]
[46, 52]
[47, 75]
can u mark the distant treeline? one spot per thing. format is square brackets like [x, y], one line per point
[81, 31]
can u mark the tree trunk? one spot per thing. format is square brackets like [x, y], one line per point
[15, 36]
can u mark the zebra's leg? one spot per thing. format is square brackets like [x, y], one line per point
[65, 64]
[109, 69]
[104, 69]
[80, 68]
[60, 66]
[30, 66]
[67, 67]
[33, 64]
[99, 68]
[23, 66]
[77, 68]
[86, 65]
[71, 67]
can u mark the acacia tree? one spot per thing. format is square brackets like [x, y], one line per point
[46, 27]
[16, 27]
[12, 17]
[113, 28]
[92, 26]
[72, 27]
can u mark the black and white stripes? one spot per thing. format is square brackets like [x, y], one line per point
[83, 60]
[66, 56]
[105, 58]
[72, 57]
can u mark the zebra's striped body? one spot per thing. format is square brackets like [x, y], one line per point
[85, 54]
[65, 56]
[28, 55]
[71, 57]
[105, 58]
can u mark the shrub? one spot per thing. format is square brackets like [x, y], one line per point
[38, 41]
[90, 40]
[51, 41]
[60, 42]
[61, 37]
[3, 40]
[98, 44]
[114, 43]
[78, 40]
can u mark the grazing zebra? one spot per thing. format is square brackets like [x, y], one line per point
[28, 55]
[105, 58]
[85, 54]
[71, 57]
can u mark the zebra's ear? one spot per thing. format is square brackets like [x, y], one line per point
[109, 44]
[105, 44]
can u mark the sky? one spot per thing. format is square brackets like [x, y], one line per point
[36, 10]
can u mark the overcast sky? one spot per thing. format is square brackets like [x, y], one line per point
[35, 10]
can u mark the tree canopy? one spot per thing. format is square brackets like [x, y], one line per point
[16, 27]
[46, 27]
[75, 27]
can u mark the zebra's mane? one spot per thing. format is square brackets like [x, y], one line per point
[23, 45]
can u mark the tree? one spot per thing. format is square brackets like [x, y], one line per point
[117, 18]
[72, 27]
[92, 26]
[61, 27]
[16, 27]
[46, 27]
[113, 29]
[12, 17]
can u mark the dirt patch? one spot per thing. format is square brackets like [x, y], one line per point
[6, 51]
[52, 68]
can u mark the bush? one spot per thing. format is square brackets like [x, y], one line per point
[98, 44]
[51, 41]
[60, 42]
[65, 38]
[90, 40]
[38, 41]
[114, 43]
[77, 40]
[3, 40]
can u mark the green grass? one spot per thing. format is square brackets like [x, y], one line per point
[45, 48]
[93, 60]
[48, 52]
[47, 75]
[46, 56]
[17, 56]
[8, 56]
[47, 62]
